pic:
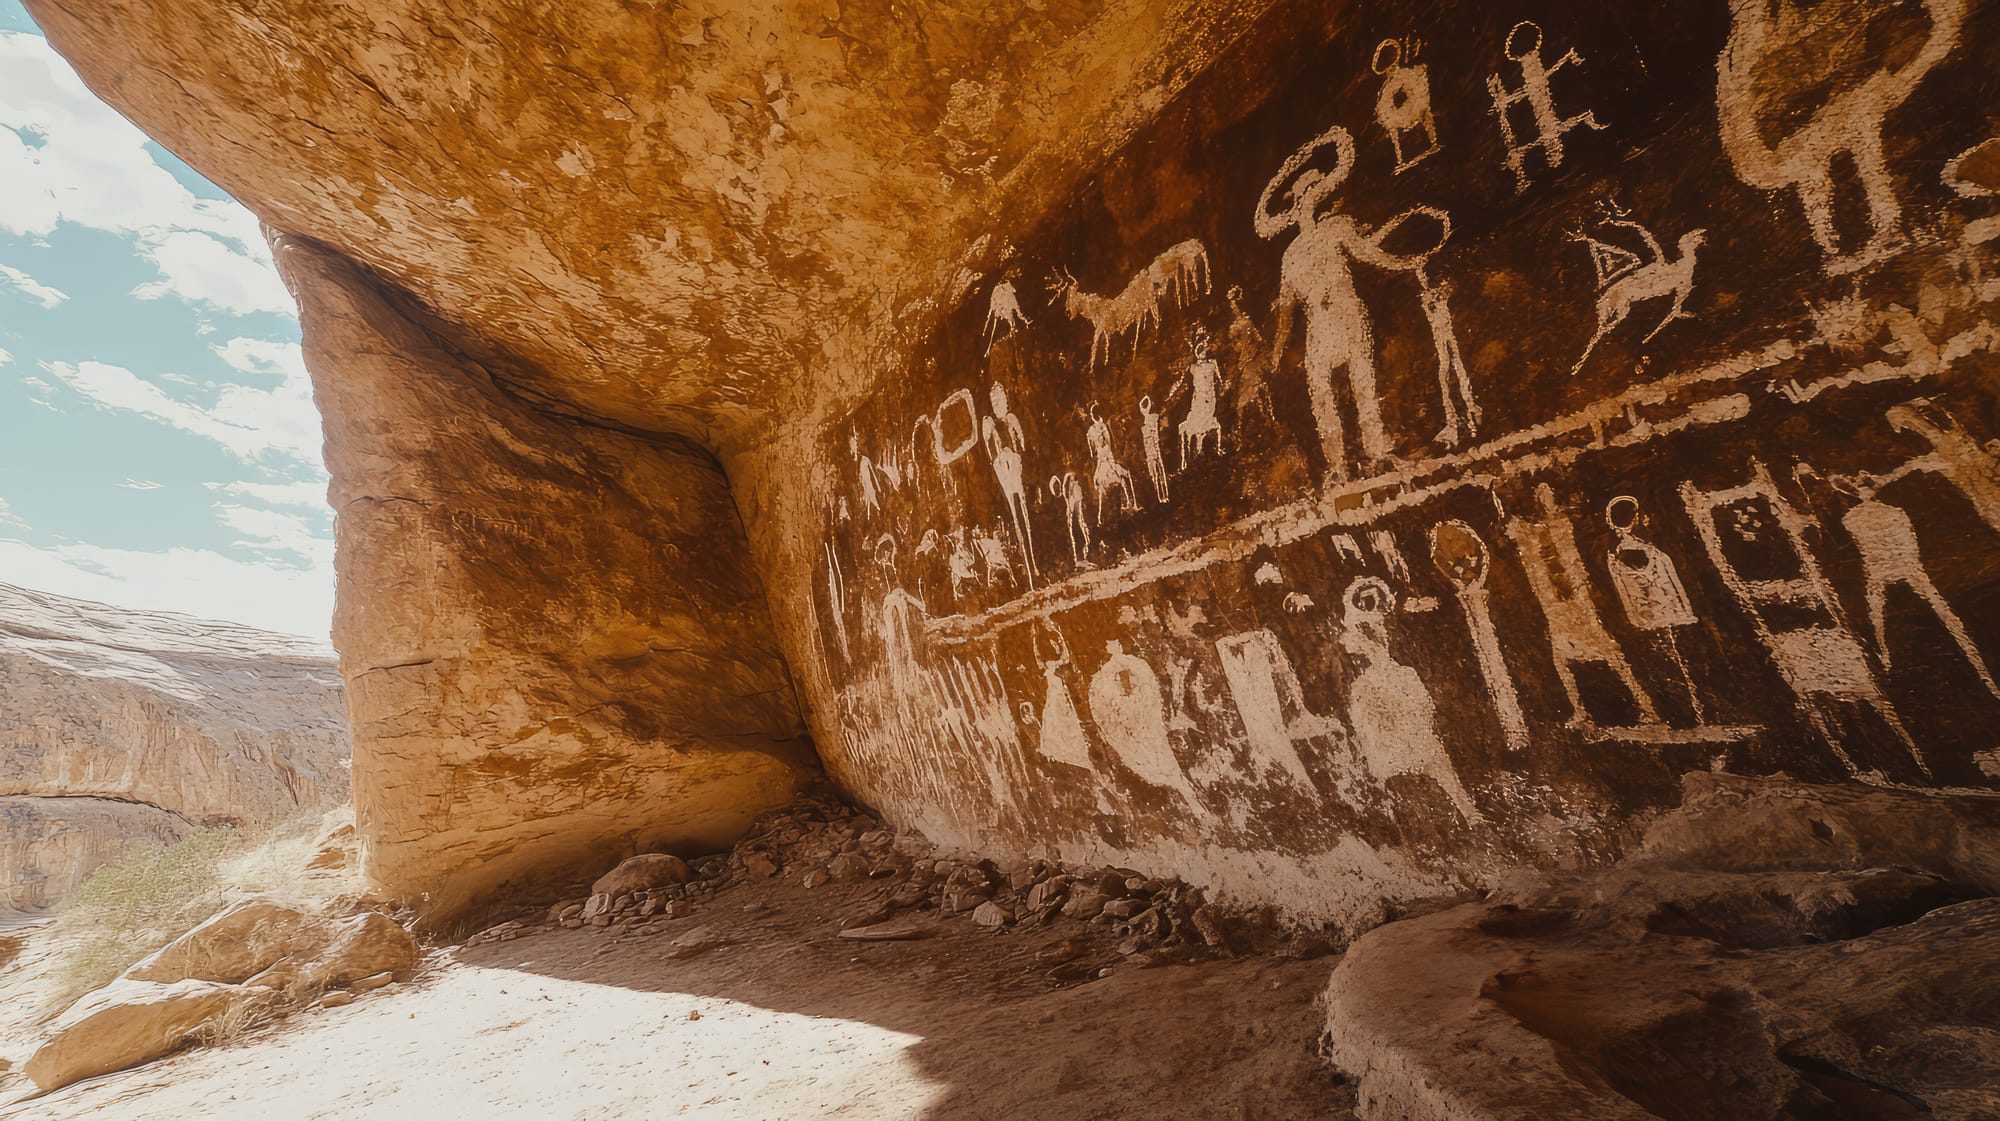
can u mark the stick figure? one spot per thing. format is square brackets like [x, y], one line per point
[1150, 424]
[1534, 89]
[1108, 474]
[1066, 488]
[1005, 444]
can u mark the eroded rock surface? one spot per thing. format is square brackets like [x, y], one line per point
[1772, 951]
[1337, 455]
[557, 651]
[122, 724]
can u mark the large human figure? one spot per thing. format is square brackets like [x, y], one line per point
[1316, 274]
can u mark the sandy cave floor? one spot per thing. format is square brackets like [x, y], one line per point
[754, 1008]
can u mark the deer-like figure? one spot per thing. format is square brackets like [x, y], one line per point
[1625, 281]
[1110, 316]
[1178, 270]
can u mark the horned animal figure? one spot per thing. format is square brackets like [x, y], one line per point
[1110, 316]
[1621, 291]
[1179, 269]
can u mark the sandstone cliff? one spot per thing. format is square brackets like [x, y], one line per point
[117, 724]
[1335, 454]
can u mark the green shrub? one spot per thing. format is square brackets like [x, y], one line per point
[145, 896]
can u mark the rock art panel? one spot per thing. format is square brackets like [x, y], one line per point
[1513, 451]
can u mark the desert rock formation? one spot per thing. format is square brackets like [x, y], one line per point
[124, 724]
[1334, 455]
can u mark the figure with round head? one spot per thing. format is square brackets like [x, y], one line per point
[1388, 705]
[1460, 555]
[1316, 277]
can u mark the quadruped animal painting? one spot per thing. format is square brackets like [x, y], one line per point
[1492, 412]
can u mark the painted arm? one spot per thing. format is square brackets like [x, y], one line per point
[1282, 332]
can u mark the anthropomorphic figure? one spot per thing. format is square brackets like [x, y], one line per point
[1890, 555]
[1649, 587]
[1063, 739]
[1108, 474]
[1388, 705]
[1150, 424]
[1130, 713]
[1249, 356]
[1461, 556]
[1316, 276]
[1066, 489]
[1005, 445]
[1554, 567]
[1202, 380]
[1524, 45]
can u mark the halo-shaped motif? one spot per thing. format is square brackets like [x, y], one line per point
[1370, 595]
[1521, 55]
[1611, 508]
[1395, 57]
[1294, 170]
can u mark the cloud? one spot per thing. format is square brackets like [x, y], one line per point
[140, 484]
[88, 165]
[270, 531]
[200, 269]
[311, 495]
[6, 358]
[9, 518]
[274, 596]
[248, 421]
[30, 287]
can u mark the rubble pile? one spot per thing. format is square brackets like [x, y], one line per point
[886, 878]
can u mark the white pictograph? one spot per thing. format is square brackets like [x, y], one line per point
[1107, 474]
[1150, 424]
[1403, 104]
[1524, 46]
[1005, 446]
[1891, 556]
[1180, 270]
[836, 599]
[1626, 279]
[1777, 140]
[1388, 705]
[1003, 310]
[1249, 357]
[1975, 174]
[1461, 412]
[1270, 702]
[1066, 489]
[1461, 556]
[1063, 739]
[1649, 588]
[1317, 276]
[1955, 454]
[1756, 541]
[1130, 713]
[1202, 381]
[1554, 566]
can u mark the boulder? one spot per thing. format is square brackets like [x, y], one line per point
[368, 943]
[641, 873]
[123, 1024]
[234, 945]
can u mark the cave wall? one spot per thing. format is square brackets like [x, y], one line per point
[1439, 429]
[556, 649]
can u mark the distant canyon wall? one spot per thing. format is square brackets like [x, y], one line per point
[1440, 429]
[118, 725]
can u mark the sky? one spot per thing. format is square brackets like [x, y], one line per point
[159, 448]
